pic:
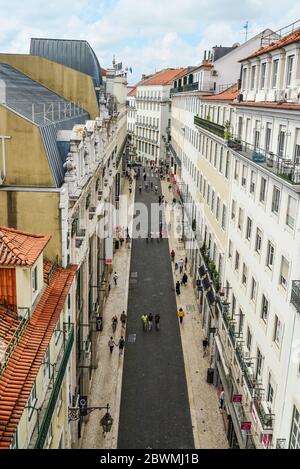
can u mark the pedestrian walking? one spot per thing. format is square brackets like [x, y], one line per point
[151, 185]
[130, 190]
[121, 346]
[159, 199]
[144, 318]
[123, 318]
[205, 346]
[184, 279]
[146, 186]
[115, 277]
[185, 263]
[121, 240]
[176, 267]
[111, 344]
[221, 399]
[160, 235]
[150, 321]
[114, 323]
[157, 321]
[169, 187]
[180, 265]
[145, 176]
[140, 189]
[172, 255]
[181, 315]
[156, 189]
[177, 288]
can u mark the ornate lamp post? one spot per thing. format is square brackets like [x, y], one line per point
[75, 413]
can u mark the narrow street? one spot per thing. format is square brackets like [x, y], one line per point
[154, 405]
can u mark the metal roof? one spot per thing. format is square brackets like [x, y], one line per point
[76, 54]
[49, 111]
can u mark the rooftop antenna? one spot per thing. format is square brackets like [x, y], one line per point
[114, 61]
[246, 26]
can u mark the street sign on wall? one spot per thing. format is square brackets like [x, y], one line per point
[245, 425]
[237, 398]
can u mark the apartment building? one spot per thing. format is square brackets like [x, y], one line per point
[36, 339]
[235, 164]
[73, 168]
[131, 114]
[153, 114]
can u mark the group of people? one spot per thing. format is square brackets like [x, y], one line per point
[121, 342]
[147, 322]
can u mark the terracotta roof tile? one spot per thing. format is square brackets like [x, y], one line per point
[269, 104]
[19, 247]
[282, 42]
[132, 92]
[19, 376]
[227, 95]
[164, 77]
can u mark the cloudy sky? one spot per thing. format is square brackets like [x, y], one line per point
[144, 34]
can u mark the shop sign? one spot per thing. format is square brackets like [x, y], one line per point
[266, 440]
[237, 398]
[246, 426]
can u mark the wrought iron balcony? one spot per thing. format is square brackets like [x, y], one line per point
[282, 167]
[295, 296]
[264, 413]
[185, 88]
[210, 126]
[52, 394]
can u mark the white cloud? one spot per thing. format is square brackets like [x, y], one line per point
[144, 34]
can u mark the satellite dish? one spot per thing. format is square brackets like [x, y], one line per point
[236, 44]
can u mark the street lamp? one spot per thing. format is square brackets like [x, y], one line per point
[75, 413]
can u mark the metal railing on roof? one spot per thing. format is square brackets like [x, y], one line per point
[275, 36]
[210, 126]
[12, 344]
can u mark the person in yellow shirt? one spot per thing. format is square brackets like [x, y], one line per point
[181, 315]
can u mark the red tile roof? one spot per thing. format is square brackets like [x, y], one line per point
[284, 41]
[19, 247]
[164, 77]
[227, 95]
[132, 92]
[8, 324]
[20, 374]
[269, 104]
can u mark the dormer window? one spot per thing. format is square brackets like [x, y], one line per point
[34, 280]
[289, 70]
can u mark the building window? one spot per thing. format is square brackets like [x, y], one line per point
[32, 400]
[252, 182]
[244, 274]
[233, 210]
[270, 391]
[244, 176]
[240, 219]
[34, 280]
[14, 442]
[249, 339]
[284, 272]
[291, 212]
[275, 73]
[253, 290]
[270, 255]
[278, 328]
[262, 193]
[227, 166]
[263, 75]
[224, 217]
[46, 363]
[218, 208]
[289, 70]
[249, 229]
[208, 193]
[275, 200]
[252, 81]
[236, 170]
[49, 437]
[212, 200]
[281, 141]
[259, 363]
[57, 331]
[237, 261]
[221, 160]
[268, 138]
[264, 308]
[295, 430]
[241, 322]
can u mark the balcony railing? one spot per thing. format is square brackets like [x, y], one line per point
[188, 87]
[210, 126]
[265, 416]
[295, 296]
[58, 376]
[282, 167]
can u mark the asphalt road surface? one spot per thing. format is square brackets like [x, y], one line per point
[154, 402]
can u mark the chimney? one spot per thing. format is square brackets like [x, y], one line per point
[204, 59]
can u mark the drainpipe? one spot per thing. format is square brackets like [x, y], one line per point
[3, 173]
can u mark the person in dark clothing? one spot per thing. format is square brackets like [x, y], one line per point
[185, 263]
[150, 321]
[172, 255]
[205, 346]
[159, 199]
[177, 288]
[145, 176]
[157, 320]
[184, 279]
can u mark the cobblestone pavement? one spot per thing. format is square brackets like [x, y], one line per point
[208, 427]
[207, 419]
